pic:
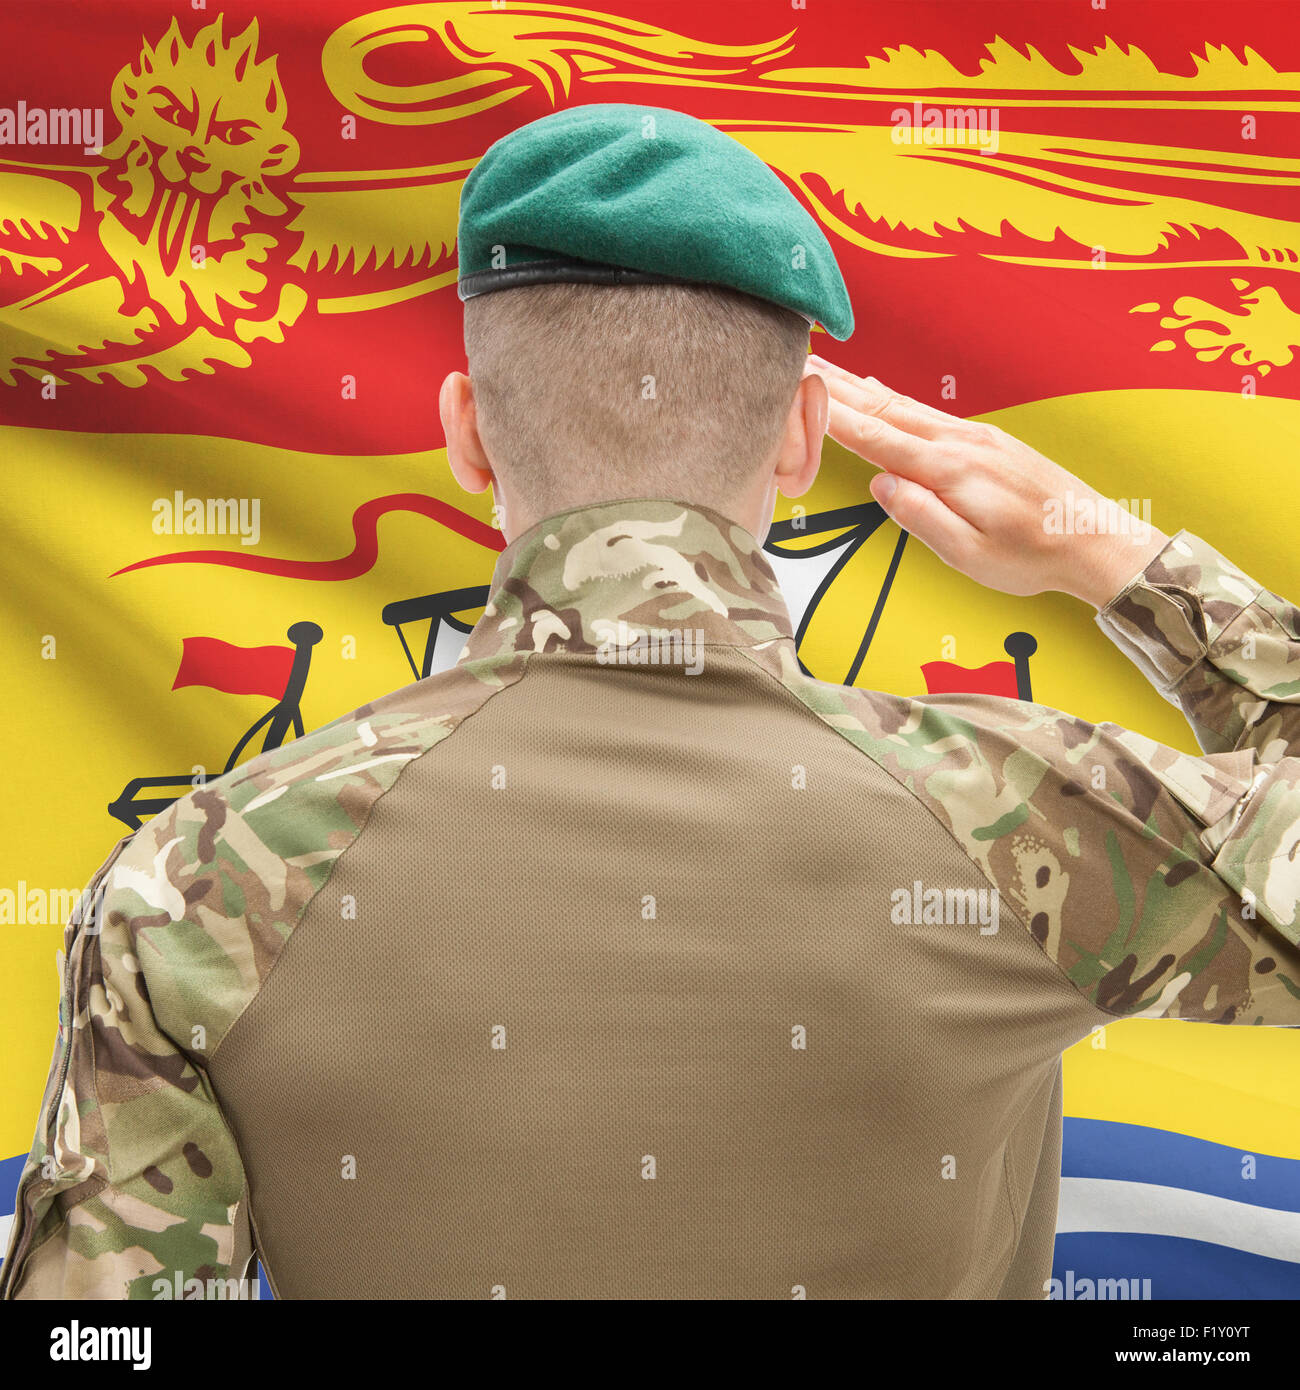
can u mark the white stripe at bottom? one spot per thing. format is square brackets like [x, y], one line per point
[1141, 1208]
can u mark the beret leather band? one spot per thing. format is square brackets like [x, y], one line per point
[556, 271]
[559, 271]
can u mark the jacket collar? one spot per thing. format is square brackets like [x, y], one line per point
[616, 578]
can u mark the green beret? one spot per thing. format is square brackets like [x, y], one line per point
[627, 195]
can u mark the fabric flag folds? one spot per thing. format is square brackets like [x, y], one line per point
[228, 273]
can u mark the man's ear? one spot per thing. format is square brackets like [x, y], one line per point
[466, 456]
[800, 453]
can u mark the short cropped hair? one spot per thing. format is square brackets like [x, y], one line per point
[586, 392]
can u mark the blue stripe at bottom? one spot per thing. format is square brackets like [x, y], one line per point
[1135, 1153]
[1177, 1268]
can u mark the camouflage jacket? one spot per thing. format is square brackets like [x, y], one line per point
[1155, 883]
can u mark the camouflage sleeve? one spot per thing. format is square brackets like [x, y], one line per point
[134, 1185]
[1216, 643]
[1161, 883]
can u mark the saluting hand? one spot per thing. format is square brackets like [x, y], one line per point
[981, 499]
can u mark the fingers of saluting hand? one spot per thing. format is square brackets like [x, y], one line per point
[921, 450]
[872, 397]
[927, 517]
[886, 429]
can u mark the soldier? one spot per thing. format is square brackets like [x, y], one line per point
[624, 959]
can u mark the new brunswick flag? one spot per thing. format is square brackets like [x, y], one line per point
[227, 299]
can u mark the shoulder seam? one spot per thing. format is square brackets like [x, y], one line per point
[361, 830]
[965, 853]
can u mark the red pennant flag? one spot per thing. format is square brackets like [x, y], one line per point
[236, 670]
[947, 678]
